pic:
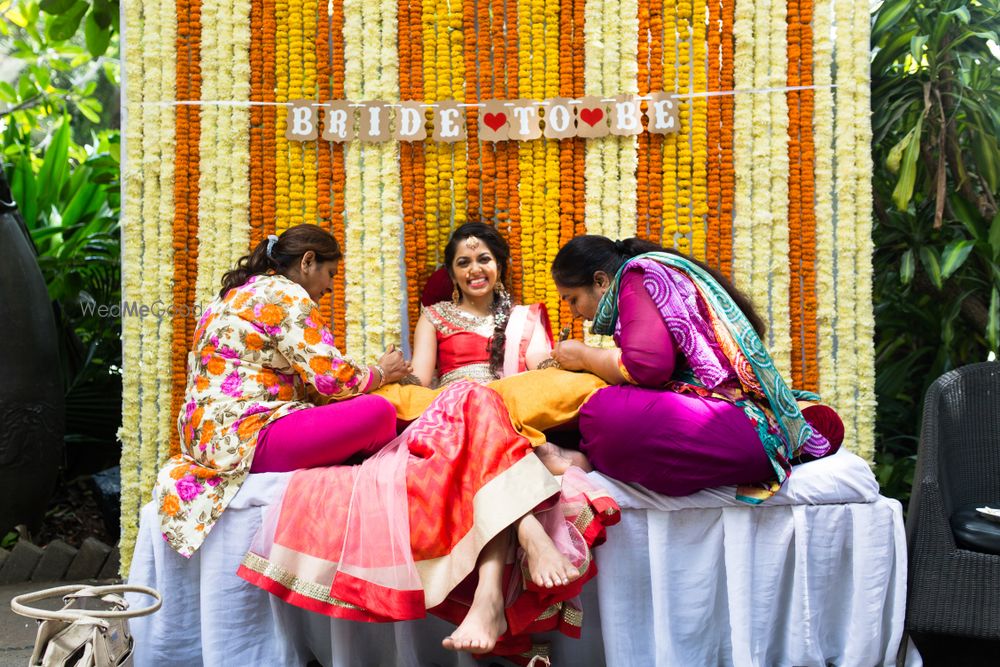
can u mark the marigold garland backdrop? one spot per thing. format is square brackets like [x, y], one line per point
[771, 186]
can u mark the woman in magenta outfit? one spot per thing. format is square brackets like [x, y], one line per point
[695, 400]
[267, 391]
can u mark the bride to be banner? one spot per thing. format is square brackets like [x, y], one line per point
[500, 120]
[766, 174]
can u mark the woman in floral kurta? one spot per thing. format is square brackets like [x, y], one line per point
[263, 352]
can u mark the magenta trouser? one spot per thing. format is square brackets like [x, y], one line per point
[671, 443]
[325, 435]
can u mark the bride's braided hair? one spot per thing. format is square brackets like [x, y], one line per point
[501, 300]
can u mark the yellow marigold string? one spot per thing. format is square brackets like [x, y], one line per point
[668, 227]
[282, 185]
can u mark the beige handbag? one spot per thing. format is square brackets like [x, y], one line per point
[91, 630]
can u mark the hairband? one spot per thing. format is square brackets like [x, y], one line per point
[271, 240]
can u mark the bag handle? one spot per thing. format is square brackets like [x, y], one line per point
[19, 604]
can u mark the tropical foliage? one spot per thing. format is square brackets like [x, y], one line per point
[58, 97]
[936, 116]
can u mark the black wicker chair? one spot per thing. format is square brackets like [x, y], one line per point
[955, 590]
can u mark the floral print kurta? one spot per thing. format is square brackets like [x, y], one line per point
[260, 353]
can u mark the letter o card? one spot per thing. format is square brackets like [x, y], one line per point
[449, 122]
[560, 118]
[592, 117]
[494, 121]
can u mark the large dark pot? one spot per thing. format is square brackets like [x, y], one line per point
[31, 387]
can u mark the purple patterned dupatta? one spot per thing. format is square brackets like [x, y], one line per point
[717, 340]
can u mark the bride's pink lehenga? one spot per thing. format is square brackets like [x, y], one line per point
[400, 534]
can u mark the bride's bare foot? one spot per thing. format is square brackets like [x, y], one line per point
[546, 565]
[478, 633]
[558, 460]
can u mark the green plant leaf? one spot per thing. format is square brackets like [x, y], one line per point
[102, 12]
[987, 153]
[954, 256]
[895, 156]
[97, 37]
[90, 109]
[25, 190]
[903, 192]
[52, 175]
[66, 24]
[993, 323]
[917, 48]
[56, 6]
[932, 264]
[995, 237]
[907, 266]
[961, 13]
[888, 15]
[7, 93]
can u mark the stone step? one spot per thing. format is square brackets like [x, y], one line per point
[58, 562]
[56, 559]
[89, 561]
[20, 563]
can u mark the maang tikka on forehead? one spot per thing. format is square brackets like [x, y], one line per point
[472, 243]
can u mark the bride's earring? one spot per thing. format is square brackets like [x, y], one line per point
[456, 296]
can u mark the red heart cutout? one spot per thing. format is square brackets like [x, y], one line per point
[591, 116]
[495, 121]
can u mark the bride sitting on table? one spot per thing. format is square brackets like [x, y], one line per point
[432, 522]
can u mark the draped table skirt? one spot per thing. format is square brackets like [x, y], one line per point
[815, 576]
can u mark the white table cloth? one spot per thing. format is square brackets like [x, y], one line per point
[815, 576]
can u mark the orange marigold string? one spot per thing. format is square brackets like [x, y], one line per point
[794, 192]
[810, 380]
[409, 73]
[643, 171]
[186, 167]
[269, 115]
[324, 157]
[470, 57]
[567, 150]
[256, 123]
[486, 64]
[655, 188]
[337, 170]
[714, 129]
[727, 172]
